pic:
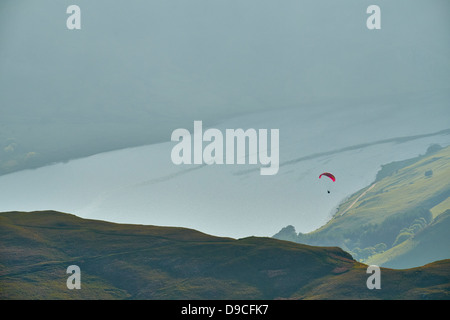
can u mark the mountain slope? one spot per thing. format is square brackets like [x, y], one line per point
[398, 215]
[146, 262]
[132, 261]
[429, 244]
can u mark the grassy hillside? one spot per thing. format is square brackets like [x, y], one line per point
[132, 261]
[429, 244]
[403, 209]
[146, 262]
[431, 282]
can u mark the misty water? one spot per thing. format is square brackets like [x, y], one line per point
[142, 186]
[345, 99]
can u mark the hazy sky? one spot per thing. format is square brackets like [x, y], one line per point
[139, 69]
[209, 58]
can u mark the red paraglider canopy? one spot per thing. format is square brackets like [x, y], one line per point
[329, 175]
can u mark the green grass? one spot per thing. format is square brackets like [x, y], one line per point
[151, 262]
[148, 262]
[440, 208]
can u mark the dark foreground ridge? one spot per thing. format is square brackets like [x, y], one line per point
[122, 261]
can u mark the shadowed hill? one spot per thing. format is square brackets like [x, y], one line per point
[120, 261]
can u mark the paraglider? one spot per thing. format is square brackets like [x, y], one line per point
[329, 175]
